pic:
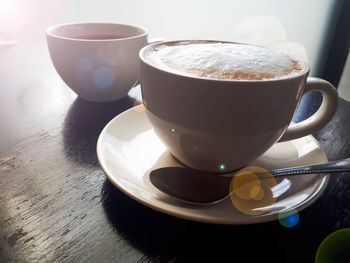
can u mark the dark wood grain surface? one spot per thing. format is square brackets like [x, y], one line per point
[56, 204]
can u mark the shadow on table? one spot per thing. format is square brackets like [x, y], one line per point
[168, 239]
[83, 124]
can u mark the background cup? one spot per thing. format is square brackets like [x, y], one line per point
[222, 125]
[94, 65]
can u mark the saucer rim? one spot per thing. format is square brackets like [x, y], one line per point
[256, 219]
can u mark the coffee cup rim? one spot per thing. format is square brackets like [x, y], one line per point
[50, 31]
[305, 71]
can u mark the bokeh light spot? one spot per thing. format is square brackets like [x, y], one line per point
[250, 190]
[243, 184]
[335, 247]
[289, 218]
[14, 14]
[85, 64]
[103, 77]
[256, 193]
[196, 148]
[222, 167]
[172, 130]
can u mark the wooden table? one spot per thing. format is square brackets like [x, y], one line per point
[56, 204]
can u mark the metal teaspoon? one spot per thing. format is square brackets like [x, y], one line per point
[202, 187]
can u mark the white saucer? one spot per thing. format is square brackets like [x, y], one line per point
[128, 149]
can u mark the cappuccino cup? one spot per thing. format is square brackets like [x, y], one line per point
[98, 61]
[219, 105]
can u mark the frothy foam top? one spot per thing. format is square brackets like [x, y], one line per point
[223, 61]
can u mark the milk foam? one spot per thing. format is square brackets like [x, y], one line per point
[224, 61]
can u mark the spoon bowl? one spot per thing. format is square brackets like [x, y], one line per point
[200, 187]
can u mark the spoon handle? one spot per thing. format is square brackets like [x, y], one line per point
[339, 166]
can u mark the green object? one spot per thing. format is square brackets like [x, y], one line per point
[222, 166]
[335, 247]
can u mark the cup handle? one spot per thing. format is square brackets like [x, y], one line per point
[321, 117]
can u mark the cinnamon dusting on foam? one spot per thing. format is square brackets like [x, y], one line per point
[238, 75]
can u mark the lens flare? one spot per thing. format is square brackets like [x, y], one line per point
[222, 167]
[250, 190]
[103, 77]
[13, 13]
[335, 247]
[289, 218]
[245, 184]
[93, 75]
[196, 148]
[256, 193]
[85, 64]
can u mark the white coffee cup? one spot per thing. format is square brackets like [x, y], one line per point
[98, 61]
[221, 125]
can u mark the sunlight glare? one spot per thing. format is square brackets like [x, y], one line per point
[13, 13]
